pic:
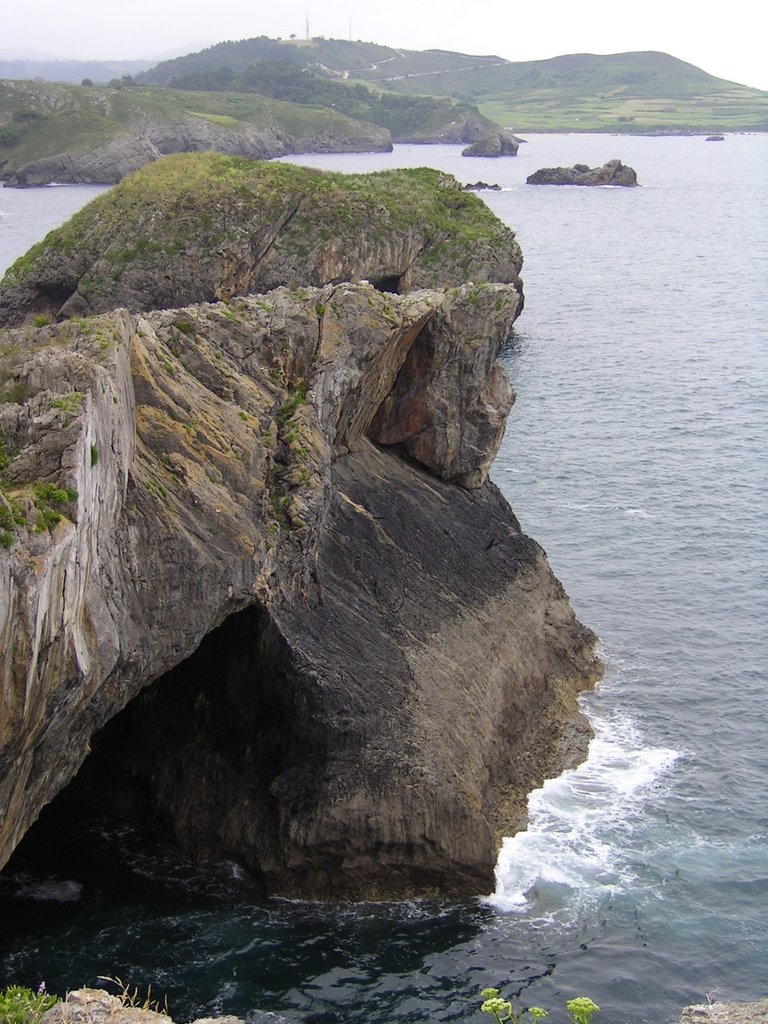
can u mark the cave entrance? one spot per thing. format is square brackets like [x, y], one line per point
[195, 753]
[391, 284]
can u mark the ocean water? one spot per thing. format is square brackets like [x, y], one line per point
[636, 454]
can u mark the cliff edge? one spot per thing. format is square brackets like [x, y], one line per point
[205, 227]
[251, 563]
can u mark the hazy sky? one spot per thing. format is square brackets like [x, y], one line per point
[725, 39]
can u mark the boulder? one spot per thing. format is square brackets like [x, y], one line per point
[726, 1013]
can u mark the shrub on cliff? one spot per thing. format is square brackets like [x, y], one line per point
[20, 1005]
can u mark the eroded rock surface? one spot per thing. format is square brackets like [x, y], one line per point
[204, 227]
[726, 1013]
[237, 564]
[95, 1006]
[612, 173]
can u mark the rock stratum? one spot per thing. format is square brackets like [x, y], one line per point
[612, 173]
[252, 568]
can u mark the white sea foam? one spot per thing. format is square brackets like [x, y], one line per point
[48, 890]
[578, 823]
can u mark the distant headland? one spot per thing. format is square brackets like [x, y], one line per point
[266, 97]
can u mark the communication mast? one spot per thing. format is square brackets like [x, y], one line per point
[306, 22]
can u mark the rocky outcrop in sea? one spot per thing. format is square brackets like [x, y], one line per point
[612, 173]
[497, 142]
[208, 227]
[251, 560]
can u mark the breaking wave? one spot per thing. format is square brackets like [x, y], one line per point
[575, 847]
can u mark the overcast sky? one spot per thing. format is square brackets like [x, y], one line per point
[725, 39]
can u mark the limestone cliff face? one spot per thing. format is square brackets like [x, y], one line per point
[237, 568]
[206, 227]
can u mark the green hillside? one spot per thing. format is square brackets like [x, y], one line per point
[38, 119]
[635, 92]
[406, 116]
[644, 91]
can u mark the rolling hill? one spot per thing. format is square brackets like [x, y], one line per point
[631, 92]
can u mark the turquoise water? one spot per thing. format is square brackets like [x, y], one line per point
[636, 454]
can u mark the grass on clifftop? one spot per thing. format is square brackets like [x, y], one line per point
[185, 206]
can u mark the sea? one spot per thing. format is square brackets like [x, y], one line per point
[637, 455]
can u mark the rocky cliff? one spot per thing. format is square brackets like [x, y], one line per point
[207, 227]
[73, 135]
[251, 563]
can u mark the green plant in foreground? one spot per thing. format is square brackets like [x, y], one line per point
[581, 1010]
[503, 1010]
[20, 1005]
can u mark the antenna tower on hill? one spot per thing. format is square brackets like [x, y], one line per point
[306, 22]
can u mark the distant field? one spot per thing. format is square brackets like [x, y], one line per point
[729, 111]
[630, 92]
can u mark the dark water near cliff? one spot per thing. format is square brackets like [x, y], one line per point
[636, 454]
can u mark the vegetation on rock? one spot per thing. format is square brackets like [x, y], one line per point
[19, 1005]
[199, 227]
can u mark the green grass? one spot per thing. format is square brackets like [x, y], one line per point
[628, 92]
[20, 1005]
[574, 92]
[735, 110]
[164, 211]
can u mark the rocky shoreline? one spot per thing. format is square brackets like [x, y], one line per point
[95, 1006]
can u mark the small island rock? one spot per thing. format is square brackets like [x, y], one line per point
[481, 186]
[495, 143]
[612, 173]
